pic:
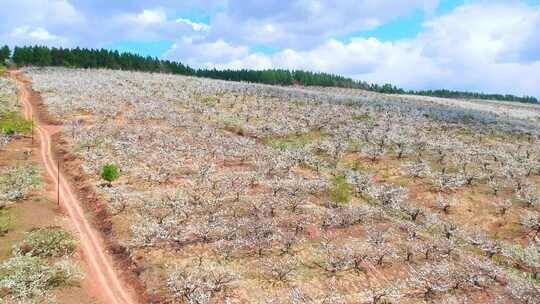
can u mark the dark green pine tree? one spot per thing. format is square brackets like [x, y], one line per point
[5, 54]
[41, 56]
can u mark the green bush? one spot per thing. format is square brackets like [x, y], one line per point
[47, 242]
[340, 190]
[110, 173]
[13, 123]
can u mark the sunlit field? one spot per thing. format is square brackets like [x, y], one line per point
[232, 192]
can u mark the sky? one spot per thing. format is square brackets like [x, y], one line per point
[476, 45]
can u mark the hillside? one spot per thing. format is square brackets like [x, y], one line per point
[232, 192]
[42, 56]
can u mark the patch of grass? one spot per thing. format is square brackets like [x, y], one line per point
[87, 144]
[209, 100]
[368, 199]
[465, 132]
[233, 123]
[518, 137]
[47, 242]
[403, 181]
[535, 278]
[512, 229]
[359, 165]
[361, 117]
[340, 190]
[298, 103]
[295, 140]
[385, 174]
[398, 214]
[12, 123]
[5, 221]
[355, 146]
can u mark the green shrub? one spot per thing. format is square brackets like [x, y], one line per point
[13, 123]
[340, 190]
[17, 182]
[24, 277]
[47, 242]
[110, 173]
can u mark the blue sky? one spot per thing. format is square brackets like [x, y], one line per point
[480, 45]
[402, 27]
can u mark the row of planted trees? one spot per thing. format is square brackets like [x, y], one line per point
[102, 58]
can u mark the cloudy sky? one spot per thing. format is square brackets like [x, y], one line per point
[489, 46]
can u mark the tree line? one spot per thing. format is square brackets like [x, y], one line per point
[94, 58]
[109, 59]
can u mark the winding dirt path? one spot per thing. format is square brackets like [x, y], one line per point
[109, 288]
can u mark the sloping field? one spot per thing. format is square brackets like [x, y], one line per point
[243, 193]
[502, 109]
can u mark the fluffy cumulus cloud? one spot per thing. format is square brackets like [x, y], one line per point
[302, 24]
[95, 23]
[150, 25]
[38, 21]
[207, 54]
[480, 45]
[35, 34]
[485, 46]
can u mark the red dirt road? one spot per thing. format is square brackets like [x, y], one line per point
[108, 286]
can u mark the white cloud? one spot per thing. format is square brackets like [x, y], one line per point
[147, 17]
[39, 12]
[39, 34]
[198, 27]
[302, 24]
[42, 34]
[206, 54]
[251, 61]
[493, 32]
[34, 21]
[151, 25]
[90, 23]
[144, 18]
[488, 46]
